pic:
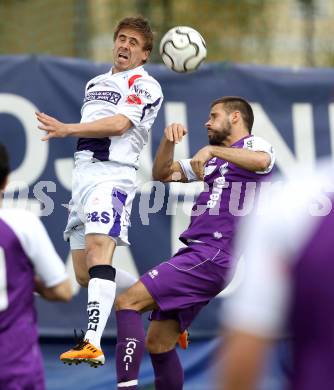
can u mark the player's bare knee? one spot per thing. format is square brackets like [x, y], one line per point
[93, 257]
[123, 301]
[151, 343]
[154, 344]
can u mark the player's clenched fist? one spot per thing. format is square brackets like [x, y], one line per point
[175, 132]
[199, 160]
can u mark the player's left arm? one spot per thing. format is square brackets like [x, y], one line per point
[257, 155]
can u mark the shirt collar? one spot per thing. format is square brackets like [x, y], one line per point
[240, 141]
[139, 68]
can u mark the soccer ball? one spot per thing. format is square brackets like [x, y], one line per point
[183, 49]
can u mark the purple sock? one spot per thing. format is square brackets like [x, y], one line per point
[130, 347]
[168, 371]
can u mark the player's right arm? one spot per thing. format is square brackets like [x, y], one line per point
[115, 125]
[60, 292]
[51, 279]
[165, 169]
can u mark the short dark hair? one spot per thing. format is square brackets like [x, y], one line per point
[237, 103]
[4, 165]
[139, 24]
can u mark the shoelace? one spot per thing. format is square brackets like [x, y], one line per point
[79, 340]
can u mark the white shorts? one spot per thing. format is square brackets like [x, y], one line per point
[102, 195]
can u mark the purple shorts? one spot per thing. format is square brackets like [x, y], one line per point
[187, 282]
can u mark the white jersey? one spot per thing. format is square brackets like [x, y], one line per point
[36, 244]
[134, 94]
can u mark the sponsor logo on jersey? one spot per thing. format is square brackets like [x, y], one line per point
[153, 273]
[218, 185]
[96, 216]
[133, 78]
[223, 168]
[249, 144]
[142, 92]
[106, 96]
[133, 99]
[217, 235]
[95, 201]
[209, 169]
[212, 161]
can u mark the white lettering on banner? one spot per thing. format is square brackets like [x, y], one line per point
[302, 119]
[144, 173]
[21, 200]
[147, 207]
[63, 169]
[36, 153]
[3, 282]
[285, 159]
[71, 275]
[331, 125]
[179, 223]
[46, 201]
[176, 112]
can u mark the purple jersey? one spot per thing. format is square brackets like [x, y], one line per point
[202, 269]
[25, 250]
[227, 190]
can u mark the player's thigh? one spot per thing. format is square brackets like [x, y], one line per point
[136, 298]
[99, 249]
[162, 336]
[80, 266]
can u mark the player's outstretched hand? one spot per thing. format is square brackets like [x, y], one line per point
[53, 127]
[175, 132]
[199, 160]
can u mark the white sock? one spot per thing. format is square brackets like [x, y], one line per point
[101, 296]
[124, 280]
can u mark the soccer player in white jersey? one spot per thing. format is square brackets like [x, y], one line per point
[28, 263]
[117, 114]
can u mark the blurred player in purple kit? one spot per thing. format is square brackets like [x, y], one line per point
[178, 289]
[288, 288]
[117, 114]
[28, 263]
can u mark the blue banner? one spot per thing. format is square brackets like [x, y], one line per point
[294, 110]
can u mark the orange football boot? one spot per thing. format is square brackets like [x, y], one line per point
[85, 352]
[183, 340]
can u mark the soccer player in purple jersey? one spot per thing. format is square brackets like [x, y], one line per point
[178, 289]
[118, 112]
[287, 289]
[28, 263]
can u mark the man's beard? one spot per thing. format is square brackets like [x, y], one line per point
[218, 137]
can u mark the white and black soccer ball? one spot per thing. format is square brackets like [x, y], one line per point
[182, 49]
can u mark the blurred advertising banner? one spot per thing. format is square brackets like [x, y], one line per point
[294, 111]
